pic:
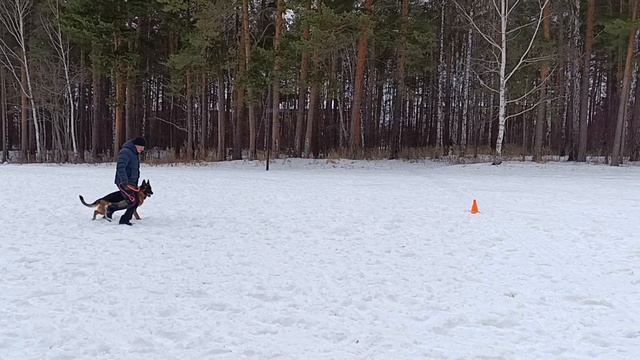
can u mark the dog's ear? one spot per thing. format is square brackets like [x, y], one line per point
[144, 182]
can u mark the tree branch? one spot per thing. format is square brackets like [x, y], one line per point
[534, 89]
[484, 84]
[533, 38]
[521, 27]
[495, 6]
[473, 23]
[171, 123]
[513, 7]
[532, 107]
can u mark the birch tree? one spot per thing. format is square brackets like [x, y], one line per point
[60, 45]
[498, 39]
[13, 14]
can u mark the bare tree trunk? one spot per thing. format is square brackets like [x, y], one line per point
[56, 139]
[342, 127]
[252, 123]
[204, 116]
[82, 109]
[302, 100]
[39, 143]
[557, 120]
[544, 74]
[221, 118]
[4, 155]
[97, 111]
[634, 136]
[400, 95]
[540, 119]
[266, 118]
[369, 122]
[24, 123]
[467, 88]
[342, 124]
[315, 139]
[275, 142]
[586, 68]
[477, 128]
[129, 108]
[312, 118]
[356, 122]
[626, 85]
[502, 111]
[121, 93]
[156, 95]
[246, 40]
[238, 97]
[190, 136]
[120, 128]
[236, 121]
[595, 98]
[575, 69]
[441, 80]
[302, 95]
[568, 106]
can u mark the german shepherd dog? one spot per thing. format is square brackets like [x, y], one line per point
[118, 200]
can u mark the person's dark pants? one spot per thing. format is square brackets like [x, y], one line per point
[131, 199]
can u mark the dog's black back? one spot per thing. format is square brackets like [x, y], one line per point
[114, 197]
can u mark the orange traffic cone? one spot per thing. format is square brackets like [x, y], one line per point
[474, 207]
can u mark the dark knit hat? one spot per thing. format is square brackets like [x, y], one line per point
[139, 141]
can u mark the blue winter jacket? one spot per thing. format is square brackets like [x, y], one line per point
[128, 167]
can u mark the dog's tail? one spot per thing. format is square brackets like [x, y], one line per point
[93, 204]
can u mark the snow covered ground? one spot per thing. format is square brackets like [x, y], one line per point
[347, 260]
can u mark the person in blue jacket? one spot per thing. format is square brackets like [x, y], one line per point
[127, 176]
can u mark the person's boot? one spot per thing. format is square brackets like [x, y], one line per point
[126, 218]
